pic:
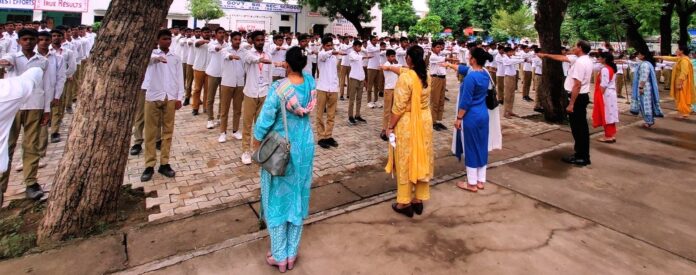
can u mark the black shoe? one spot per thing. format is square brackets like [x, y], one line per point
[323, 144]
[384, 136]
[436, 127]
[187, 101]
[34, 192]
[418, 208]
[528, 99]
[136, 149]
[55, 138]
[147, 174]
[342, 99]
[166, 170]
[442, 126]
[351, 120]
[381, 94]
[576, 161]
[332, 142]
[539, 110]
[501, 102]
[194, 112]
[158, 145]
[360, 119]
[406, 211]
[447, 99]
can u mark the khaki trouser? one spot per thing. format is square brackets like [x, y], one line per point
[537, 84]
[139, 120]
[493, 76]
[343, 79]
[188, 80]
[57, 112]
[213, 85]
[667, 74]
[355, 91]
[199, 84]
[326, 100]
[380, 83]
[234, 95]
[527, 82]
[388, 102]
[500, 85]
[510, 88]
[69, 92]
[43, 141]
[437, 98]
[251, 107]
[371, 85]
[159, 116]
[620, 79]
[30, 121]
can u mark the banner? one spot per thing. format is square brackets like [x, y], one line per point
[17, 4]
[250, 26]
[78, 6]
[239, 5]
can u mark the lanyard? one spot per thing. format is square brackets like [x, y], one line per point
[263, 55]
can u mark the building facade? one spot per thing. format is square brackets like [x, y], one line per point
[271, 15]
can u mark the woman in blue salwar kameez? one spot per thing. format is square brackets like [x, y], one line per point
[646, 96]
[285, 199]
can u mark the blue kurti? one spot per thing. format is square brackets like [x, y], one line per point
[286, 199]
[472, 99]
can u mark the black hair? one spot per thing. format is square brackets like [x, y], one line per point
[164, 32]
[357, 42]
[390, 52]
[29, 32]
[174, 27]
[584, 46]
[523, 46]
[416, 55]
[277, 36]
[481, 56]
[233, 34]
[254, 34]
[302, 37]
[404, 39]
[382, 44]
[44, 34]
[537, 50]
[438, 42]
[609, 59]
[648, 56]
[205, 29]
[684, 49]
[507, 49]
[36, 22]
[326, 40]
[296, 59]
[58, 31]
[219, 29]
[197, 29]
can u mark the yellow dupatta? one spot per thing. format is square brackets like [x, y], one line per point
[419, 162]
[683, 69]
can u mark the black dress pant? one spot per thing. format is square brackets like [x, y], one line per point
[579, 127]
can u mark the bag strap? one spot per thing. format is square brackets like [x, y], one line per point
[490, 79]
[284, 85]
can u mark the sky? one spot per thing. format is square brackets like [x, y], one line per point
[420, 5]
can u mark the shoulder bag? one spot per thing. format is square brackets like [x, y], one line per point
[491, 97]
[274, 152]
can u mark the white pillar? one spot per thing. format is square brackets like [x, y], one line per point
[37, 15]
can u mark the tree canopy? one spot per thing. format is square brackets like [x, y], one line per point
[356, 12]
[398, 13]
[517, 24]
[205, 10]
[428, 25]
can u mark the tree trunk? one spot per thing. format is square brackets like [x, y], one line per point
[553, 96]
[633, 37]
[666, 27]
[355, 20]
[90, 174]
[684, 37]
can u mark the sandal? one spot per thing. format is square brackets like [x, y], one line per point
[467, 187]
[647, 126]
[604, 140]
[480, 186]
[282, 266]
[291, 262]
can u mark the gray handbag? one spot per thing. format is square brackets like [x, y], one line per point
[274, 153]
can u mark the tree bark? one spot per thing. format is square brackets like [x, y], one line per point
[666, 27]
[553, 96]
[355, 20]
[633, 37]
[684, 18]
[90, 174]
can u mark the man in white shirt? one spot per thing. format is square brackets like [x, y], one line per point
[401, 51]
[390, 79]
[356, 82]
[344, 48]
[185, 49]
[277, 51]
[176, 35]
[537, 64]
[34, 113]
[527, 72]
[327, 93]
[214, 73]
[372, 50]
[54, 83]
[259, 74]
[438, 74]
[500, 73]
[165, 91]
[200, 63]
[232, 87]
[510, 64]
[303, 43]
[68, 58]
[578, 86]
[14, 91]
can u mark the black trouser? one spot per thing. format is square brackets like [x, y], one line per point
[579, 127]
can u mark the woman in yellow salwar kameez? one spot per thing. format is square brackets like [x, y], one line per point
[682, 86]
[411, 155]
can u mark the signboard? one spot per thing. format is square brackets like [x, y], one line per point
[62, 5]
[250, 26]
[17, 4]
[239, 5]
[314, 14]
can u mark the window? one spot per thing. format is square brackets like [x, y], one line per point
[180, 23]
[284, 29]
[284, 17]
[98, 18]
[19, 18]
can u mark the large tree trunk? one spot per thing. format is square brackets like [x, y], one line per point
[90, 174]
[355, 20]
[684, 18]
[633, 37]
[553, 96]
[666, 27]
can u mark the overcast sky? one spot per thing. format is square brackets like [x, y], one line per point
[420, 5]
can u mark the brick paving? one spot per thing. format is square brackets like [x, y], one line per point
[210, 174]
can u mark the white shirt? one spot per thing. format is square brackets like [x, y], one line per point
[233, 70]
[6, 46]
[54, 76]
[328, 78]
[510, 65]
[401, 56]
[13, 93]
[356, 70]
[606, 83]
[68, 60]
[436, 62]
[277, 55]
[175, 47]
[537, 64]
[390, 77]
[258, 75]
[580, 69]
[39, 99]
[166, 80]
[202, 56]
[345, 49]
[373, 52]
[498, 61]
[191, 50]
[183, 49]
[620, 68]
[566, 65]
[79, 48]
[527, 65]
[214, 67]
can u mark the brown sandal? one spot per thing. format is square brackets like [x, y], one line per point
[480, 186]
[467, 187]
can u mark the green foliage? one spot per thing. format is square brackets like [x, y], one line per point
[428, 25]
[96, 26]
[354, 11]
[205, 10]
[12, 243]
[517, 24]
[603, 19]
[398, 13]
[454, 13]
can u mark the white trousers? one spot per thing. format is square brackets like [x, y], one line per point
[476, 175]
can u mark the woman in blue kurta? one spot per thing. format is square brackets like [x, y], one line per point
[285, 199]
[472, 118]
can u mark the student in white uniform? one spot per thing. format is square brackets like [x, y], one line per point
[277, 52]
[327, 93]
[70, 64]
[356, 82]
[213, 73]
[200, 63]
[232, 87]
[389, 85]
